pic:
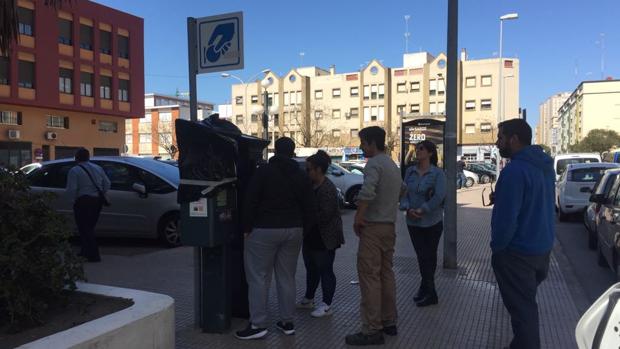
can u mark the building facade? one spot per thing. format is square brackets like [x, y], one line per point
[548, 122]
[321, 108]
[71, 80]
[593, 105]
[154, 133]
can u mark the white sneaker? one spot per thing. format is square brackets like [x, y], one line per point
[322, 310]
[305, 304]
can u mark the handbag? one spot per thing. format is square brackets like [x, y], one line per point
[102, 197]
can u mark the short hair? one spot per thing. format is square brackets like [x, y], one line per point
[517, 127]
[285, 147]
[320, 160]
[373, 134]
[82, 155]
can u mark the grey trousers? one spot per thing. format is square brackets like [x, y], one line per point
[266, 251]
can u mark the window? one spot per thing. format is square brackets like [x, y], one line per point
[470, 157]
[336, 133]
[287, 98]
[400, 110]
[381, 91]
[366, 114]
[105, 87]
[54, 121]
[26, 74]
[373, 113]
[10, 118]
[298, 97]
[415, 108]
[86, 84]
[86, 37]
[293, 98]
[65, 80]
[355, 91]
[485, 104]
[123, 47]
[354, 112]
[486, 80]
[145, 138]
[381, 115]
[108, 126]
[123, 90]
[318, 94]
[254, 118]
[486, 127]
[432, 88]
[441, 87]
[354, 132]
[318, 114]
[26, 21]
[128, 139]
[239, 118]
[165, 116]
[441, 107]
[415, 86]
[433, 108]
[470, 128]
[147, 118]
[105, 42]
[366, 92]
[336, 93]
[336, 114]
[373, 91]
[470, 105]
[239, 100]
[5, 71]
[65, 31]
[401, 87]
[254, 99]
[470, 81]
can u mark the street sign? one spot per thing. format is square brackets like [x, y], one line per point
[220, 42]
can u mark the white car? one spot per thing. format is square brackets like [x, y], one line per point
[561, 161]
[472, 179]
[574, 188]
[348, 183]
[591, 217]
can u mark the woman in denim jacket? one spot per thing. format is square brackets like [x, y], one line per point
[423, 204]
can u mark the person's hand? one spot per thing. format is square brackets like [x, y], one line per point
[358, 224]
[414, 213]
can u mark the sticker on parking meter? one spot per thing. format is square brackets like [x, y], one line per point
[198, 208]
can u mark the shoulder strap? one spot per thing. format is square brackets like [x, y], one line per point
[91, 179]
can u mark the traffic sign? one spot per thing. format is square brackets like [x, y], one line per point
[220, 42]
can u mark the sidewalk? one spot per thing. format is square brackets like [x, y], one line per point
[470, 313]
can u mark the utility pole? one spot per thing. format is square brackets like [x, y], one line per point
[450, 226]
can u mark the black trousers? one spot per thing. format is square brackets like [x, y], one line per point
[320, 268]
[425, 242]
[86, 210]
[518, 277]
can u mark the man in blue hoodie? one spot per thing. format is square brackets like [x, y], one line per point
[522, 228]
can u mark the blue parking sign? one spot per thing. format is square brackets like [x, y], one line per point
[220, 42]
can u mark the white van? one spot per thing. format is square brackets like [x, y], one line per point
[560, 162]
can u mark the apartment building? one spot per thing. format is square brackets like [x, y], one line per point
[320, 108]
[593, 105]
[548, 121]
[71, 80]
[154, 133]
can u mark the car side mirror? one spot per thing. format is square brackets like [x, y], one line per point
[139, 188]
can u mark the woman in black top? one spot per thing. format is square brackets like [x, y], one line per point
[322, 240]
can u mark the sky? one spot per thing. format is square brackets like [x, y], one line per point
[557, 41]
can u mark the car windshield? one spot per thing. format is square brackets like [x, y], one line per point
[591, 174]
[29, 168]
[563, 163]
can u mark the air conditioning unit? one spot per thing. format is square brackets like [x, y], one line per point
[51, 136]
[14, 134]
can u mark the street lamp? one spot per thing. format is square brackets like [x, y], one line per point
[265, 83]
[500, 97]
[245, 93]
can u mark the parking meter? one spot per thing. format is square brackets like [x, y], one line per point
[213, 164]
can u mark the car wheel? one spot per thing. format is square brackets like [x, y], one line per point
[351, 196]
[592, 240]
[469, 182]
[169, 232]
[602, 262]
[485, 179]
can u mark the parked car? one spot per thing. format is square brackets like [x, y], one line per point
[560, 162]
[486, 175]
[591, 215]
[598, 326]
[472, 179]
[348, 183]
[355, 166]
[143, 196]
[609, 229]
[574, 188]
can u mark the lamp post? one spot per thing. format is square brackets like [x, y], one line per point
[265, 83]
[245, 93]
[500, 97]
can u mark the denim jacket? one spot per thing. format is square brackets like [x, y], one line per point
[427, 193]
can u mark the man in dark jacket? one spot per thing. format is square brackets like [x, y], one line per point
[279, 202]
[522, 228]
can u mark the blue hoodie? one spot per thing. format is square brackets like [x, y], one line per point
[524, 212]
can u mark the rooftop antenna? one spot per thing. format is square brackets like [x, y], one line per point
[407, 33]
[601, 43]
[301, 58]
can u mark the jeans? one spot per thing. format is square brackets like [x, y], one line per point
[320, 268]
[518, 277]
[461, 180]
[86, 210]
[425, 242]
[266, 251]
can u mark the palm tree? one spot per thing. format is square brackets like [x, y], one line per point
[9, 27]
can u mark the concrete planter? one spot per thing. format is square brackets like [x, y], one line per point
[149, 323]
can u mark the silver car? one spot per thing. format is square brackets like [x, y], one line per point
[143, 196]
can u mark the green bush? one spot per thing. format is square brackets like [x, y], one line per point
[37, 262]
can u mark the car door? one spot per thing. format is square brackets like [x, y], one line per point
[608, 221]
[337, 176]
[52, 178]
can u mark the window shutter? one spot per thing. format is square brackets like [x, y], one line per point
[66, 122]
[19, 118]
